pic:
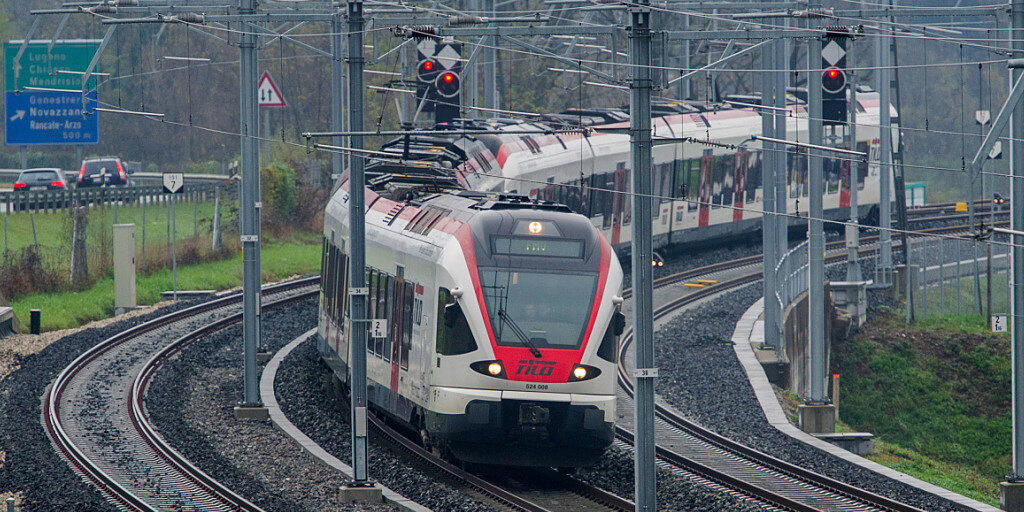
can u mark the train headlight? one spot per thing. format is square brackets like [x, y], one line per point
[535, 228]
[583, 372]
[489, 368]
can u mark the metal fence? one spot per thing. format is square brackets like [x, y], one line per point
[65, 199]
[959, 277]
[791, 274]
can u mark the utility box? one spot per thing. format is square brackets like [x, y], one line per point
[124, 268]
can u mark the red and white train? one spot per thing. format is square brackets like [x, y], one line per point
[706, 193]
[503, 317]
[493, 258]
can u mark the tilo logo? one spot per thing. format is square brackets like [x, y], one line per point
[535, 367]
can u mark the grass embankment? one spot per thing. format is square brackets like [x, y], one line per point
[53, 230]
[937, 396]
[280, 259]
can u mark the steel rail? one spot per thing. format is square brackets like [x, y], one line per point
[92, 470]
[492, 490]
[714, 439]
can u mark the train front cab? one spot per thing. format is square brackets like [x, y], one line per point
[550, 402]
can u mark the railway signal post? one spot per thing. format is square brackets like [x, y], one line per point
[642, 252]
[360, 489]
[817, 415]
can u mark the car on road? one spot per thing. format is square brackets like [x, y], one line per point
[40, 179]
[98, 172]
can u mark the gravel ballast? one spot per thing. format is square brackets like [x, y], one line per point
[324, 418]
[702, 378]
[191, 401]
[31, 466]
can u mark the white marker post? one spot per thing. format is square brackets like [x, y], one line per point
[174, 183]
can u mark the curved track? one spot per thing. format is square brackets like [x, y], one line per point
[95, 416]
[699, 451]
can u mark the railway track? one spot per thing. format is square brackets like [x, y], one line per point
[706, 455]
[529, 490]
[95, 416]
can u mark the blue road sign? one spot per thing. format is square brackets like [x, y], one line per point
[50, 117]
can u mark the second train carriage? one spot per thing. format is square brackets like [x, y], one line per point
[705, 193]
[503, 322]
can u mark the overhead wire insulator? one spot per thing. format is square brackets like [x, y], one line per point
[462, 19]
[190, 17]
[102, 9]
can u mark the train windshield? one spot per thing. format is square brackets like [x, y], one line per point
[549, 310]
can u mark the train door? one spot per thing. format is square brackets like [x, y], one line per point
[844, 183]
[395, 335]
[704, 198]
[618, 201]
[739, 185]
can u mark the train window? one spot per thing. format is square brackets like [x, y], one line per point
[610, 342]
[389, 303]
[797, 172]
[693, 182]
[753, 178]
[551, 309]
[371, 306]
[862, 165]
[728, 179]
[332, 270]
[407, 307]
[453, 334]
[396, 325]
[833, 170]
[378, 343]
[323, 266]
[341, 288]
[417, 312]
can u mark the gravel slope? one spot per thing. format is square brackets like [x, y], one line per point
[701, 377]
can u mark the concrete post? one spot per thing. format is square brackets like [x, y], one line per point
[490, 64]
[124, 268]
[337, 95]
[883, 266]
[79, 258]
[217, 243]
[1012, 491]
[780, 74]
[249, 216]
[642, 252]
[769, 183]
[853, 273]
[360, 489]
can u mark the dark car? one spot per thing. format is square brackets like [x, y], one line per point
[40, 179]
[98, 172]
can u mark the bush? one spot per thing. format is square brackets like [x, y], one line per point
[279, 192]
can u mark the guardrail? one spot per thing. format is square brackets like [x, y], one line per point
[154, 177]
[791, 275]
[56, 200]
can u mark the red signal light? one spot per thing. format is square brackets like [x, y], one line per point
[428, 65]
[448, 77]
[833, 73]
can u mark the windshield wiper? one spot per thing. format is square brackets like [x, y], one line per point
[519, 333]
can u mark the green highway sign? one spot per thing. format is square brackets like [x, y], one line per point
[39, 64]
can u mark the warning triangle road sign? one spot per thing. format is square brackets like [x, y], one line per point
[267, 92]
